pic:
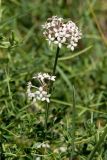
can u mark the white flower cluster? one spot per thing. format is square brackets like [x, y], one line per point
[60, 149]
[41, 145]
[58, 32]
[39, 93]
[43, 76]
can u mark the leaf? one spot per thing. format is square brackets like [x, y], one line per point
[76, 54]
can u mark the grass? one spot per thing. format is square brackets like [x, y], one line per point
[77, 116]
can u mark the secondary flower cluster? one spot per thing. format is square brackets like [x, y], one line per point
[59, 32]
[39, 93]
[41, 145]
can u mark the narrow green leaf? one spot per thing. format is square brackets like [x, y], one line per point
[76, 54]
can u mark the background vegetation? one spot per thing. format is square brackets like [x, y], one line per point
[23, 52]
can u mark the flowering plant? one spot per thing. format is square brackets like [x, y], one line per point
[58, 32]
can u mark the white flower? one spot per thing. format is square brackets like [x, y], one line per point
[45, 145]
[40, 93]
[38, 158]
[43, 76]
[41, 145]
[63, 149]
[71, 47]
[52, 78]
[58, 32]
[30, 95]
[37, 145]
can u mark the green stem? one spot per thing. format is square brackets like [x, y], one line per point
[51, 85]
[98, 145]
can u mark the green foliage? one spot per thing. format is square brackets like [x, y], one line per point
[23, 52]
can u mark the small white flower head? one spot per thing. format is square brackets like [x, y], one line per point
[45, 145]
[40, 92]
[60, 149]
[39, 145]
[38, 158]
[58, 32]
[42, 95]
[44, 76]
[63, 149]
